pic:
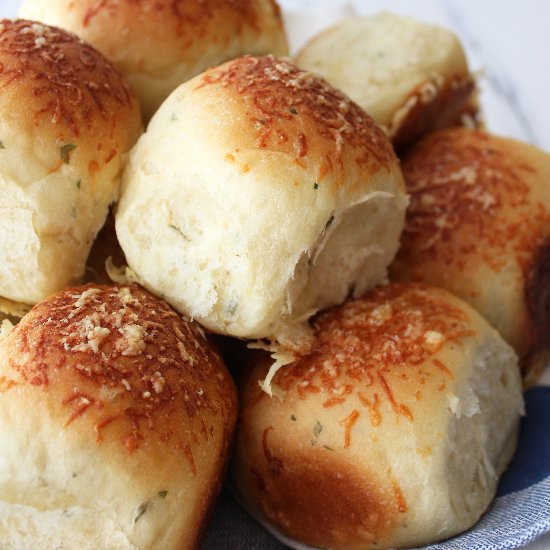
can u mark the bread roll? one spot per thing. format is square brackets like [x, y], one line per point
[258, 195]
[66, 118]
[392, 433]
[479, 226]
[409, 76]
[158, 44]
[115, 422]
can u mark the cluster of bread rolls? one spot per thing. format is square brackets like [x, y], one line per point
[264, 202]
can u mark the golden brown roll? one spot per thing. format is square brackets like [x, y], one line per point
[115, 422]
[479, 226]
[258, 195]
[411, 77]
[158, 44]
[392, 432]
[67, 116]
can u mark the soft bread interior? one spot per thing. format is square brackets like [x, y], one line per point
[483, 429]
[60, 528]
[47, 236]
[350, 256]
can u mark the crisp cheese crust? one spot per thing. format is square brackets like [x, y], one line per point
[279, 96]
[71, 84]
[122, 366]
[390, 338]
[467, 194]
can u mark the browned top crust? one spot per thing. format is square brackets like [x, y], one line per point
[470, 198]
[186, 15]
[120, 365]
[279, 96]
[62, 103]
[150, 36]
[59, 79]
[479, 225]
[386, 337]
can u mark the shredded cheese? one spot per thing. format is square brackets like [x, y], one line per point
[281, 357]
[122, 275]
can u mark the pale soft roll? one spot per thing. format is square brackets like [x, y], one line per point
[115, 422]
[258, 195]
[158, 44]
[393, 432]
[479, 226]
[67, 116]
[408, 75]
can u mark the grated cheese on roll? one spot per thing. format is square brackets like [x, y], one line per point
[479, 226]
[159, 44]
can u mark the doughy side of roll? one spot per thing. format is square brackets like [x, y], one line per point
[411, 77]
[392, 432]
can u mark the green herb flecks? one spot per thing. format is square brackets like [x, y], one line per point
[232, 307]
[293, 111]
[317, 429]
[315, 186]
[2, 146]
[328, 448]
[180, 232]
[78, 184]
[162, 494]
[73, 212]
[65, 151]
[142, 508]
